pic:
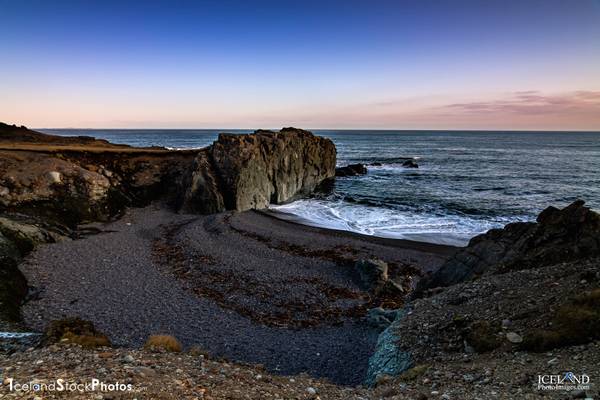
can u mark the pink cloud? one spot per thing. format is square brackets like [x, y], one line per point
[534, 103]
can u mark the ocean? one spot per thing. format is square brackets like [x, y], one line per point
[467, 182]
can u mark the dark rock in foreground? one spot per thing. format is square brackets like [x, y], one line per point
[351, 170]
[558, 236]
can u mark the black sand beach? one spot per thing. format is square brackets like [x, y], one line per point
[244, 286]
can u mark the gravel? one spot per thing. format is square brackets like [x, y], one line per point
[119, 281]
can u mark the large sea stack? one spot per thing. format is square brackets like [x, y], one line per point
[243, 172]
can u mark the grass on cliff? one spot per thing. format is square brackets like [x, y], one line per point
[86, 340]
[163, 342]
[576, 322]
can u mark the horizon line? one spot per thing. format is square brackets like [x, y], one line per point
[336, 129]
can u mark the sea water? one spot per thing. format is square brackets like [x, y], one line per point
[467, 182]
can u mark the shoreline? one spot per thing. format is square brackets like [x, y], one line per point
[296, 219]
[442, 249]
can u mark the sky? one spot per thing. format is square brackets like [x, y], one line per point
[422, 64]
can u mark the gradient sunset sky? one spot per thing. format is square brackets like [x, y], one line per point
[313, 64]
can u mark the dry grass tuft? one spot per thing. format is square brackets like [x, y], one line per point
[576, 322]
[414, 373]
[86, 341]
[481, 335]
[75, 330]
[163, 342]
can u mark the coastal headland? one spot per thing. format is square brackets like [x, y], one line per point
[133, 242]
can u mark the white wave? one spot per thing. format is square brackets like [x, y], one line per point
[376, 221]
[185, 148]
[17, 335]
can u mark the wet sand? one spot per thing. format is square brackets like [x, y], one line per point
[244, 286]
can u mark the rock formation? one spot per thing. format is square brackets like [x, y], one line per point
[558, 236]
[83, 179]
[528, 274]
[242, 172]
[351, 170]
[410, 164]
[388, 358]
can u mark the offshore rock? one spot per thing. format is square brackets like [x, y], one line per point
[351, 170]
[569, 234]
[410, 164]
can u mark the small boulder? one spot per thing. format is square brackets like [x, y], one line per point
[54, 177]
[351, 170]
[373, 273]
[514, 337]
[410, 164]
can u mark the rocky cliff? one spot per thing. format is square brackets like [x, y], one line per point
[82, 179]
[270, 167]
[557, 236]
[527, 288]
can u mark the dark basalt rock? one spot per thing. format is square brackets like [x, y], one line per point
[410, 164]
[202, 193]
[351, 170]
[13, 286]
[270, 167]
[373, 275]
[558, 236]
[18, 236]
